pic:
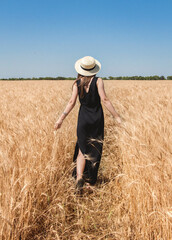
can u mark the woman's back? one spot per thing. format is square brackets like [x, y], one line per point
[91, 98]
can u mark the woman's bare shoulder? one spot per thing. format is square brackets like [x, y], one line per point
[99, 79]
[76, 82]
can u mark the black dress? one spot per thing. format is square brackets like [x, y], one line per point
[90, 131]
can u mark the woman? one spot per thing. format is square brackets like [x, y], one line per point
[90, 127]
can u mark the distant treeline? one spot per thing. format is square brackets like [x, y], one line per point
[41, 78]
[155, 77]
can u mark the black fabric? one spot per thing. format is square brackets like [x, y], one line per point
[90, 126]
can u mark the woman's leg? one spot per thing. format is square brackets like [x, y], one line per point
[80, 165]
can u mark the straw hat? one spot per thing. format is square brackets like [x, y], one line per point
[87, 66]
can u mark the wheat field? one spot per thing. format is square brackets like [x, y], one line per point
[133, 195]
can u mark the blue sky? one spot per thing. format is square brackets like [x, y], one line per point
[46, 37]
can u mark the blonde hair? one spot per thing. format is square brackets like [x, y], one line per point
[84, 82]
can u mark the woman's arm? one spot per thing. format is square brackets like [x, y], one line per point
[68, 108]
[106, 102]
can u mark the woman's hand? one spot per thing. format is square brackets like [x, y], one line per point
[118, 119]
[58, 124]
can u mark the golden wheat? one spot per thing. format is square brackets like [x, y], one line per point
[133, 195]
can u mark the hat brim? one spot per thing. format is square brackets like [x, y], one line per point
[83, 72]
